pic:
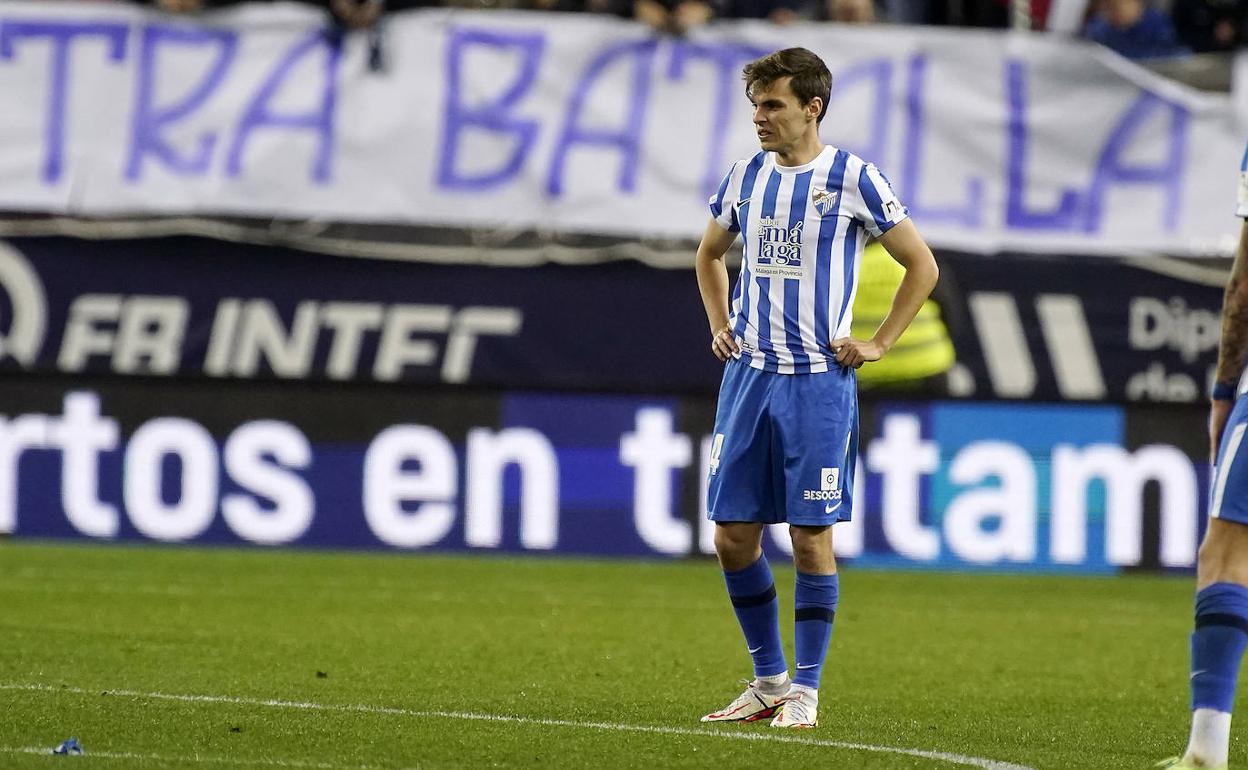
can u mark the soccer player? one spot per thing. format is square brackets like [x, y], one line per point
[1222, 564]
[786, 428]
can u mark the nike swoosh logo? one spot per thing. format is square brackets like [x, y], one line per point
[739, 204]
[753, 650]
[831, 508]
[1198, 673]
[800, 667]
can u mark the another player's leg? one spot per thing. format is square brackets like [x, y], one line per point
[814, 602]
[1218, 641]
[1221, 625]
[753, 594]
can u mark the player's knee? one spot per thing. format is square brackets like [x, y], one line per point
[735, 546]
[1223, 555]
[1208, 562]
[812, 548]
[805, 551]
[724, 540]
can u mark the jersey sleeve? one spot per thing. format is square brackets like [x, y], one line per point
[877, 206]
[723, 203]
[1241, 210]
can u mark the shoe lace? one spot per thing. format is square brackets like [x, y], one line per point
[746, 694]
[796, 710]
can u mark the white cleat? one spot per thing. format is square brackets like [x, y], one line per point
[798, 710]
[1181, 763]
[750, 706]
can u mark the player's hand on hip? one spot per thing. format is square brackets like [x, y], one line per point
[724, 345]
[855, 353]
[1219, 412]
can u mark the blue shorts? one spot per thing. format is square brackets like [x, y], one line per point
[784, 447]
[1230, 473]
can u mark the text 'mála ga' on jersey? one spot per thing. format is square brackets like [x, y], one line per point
[803, 230]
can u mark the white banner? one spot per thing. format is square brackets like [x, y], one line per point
[588, 124]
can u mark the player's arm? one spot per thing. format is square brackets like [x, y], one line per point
[1233, 350]
[904, 244]
[713, 284]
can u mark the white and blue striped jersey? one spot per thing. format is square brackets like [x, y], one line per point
[1242, 208]
[803, 230]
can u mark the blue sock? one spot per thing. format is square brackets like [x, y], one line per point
[1218, 645]
[815, 600]
[753, 594]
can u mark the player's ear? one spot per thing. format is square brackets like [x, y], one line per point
[814, 107]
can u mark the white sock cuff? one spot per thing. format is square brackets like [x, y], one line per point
[1209, 743]
[805, 691]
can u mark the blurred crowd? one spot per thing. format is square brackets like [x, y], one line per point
[1142, 30]
[1139, 29]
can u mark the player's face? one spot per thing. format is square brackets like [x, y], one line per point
[780, 119]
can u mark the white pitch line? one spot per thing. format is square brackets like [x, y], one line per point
[956, 759]
[133, 757]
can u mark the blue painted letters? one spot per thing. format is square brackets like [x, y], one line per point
[626, 139]
[1016, 212]
[728, 59]
[876, 75]
[1113, 168]
[62, 35]
[319, 120]
[970, 213]
[149, 120]
[494, 117]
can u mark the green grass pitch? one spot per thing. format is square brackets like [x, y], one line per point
[164, 657]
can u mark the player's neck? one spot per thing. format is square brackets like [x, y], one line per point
[801, 153]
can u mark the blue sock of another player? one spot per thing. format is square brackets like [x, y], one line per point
[815, 600]
[1218, 645]
[753, 594]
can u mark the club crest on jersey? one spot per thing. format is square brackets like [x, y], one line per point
[779, 250]
[824, 200]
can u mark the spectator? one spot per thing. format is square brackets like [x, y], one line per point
[180, 6]
[851, 11]
[356, 14]
[352, 14]
[775, 11]
[673, 17]
[1211, 25]
[1134, 30]
[189, 6]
